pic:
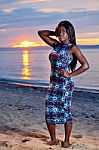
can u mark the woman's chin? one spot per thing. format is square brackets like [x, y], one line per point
[61, 40]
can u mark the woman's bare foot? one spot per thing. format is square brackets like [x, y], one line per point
[53, 142]
[65, 144]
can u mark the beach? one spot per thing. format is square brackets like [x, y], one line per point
[22, 119]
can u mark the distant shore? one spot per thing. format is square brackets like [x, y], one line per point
[22, 122]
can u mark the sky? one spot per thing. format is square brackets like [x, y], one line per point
[20, 20]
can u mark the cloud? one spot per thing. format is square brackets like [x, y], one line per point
[29, 17]
[21, 16]
[6, 4]
[50, 4]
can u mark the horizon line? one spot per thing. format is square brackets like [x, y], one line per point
[49, 46]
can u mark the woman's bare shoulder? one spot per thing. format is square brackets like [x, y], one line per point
[75, 49]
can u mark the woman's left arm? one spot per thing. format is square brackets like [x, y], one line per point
[82, 60]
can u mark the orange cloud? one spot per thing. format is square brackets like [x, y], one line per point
[86, 41]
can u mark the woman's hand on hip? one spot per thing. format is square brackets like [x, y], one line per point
[63, 73]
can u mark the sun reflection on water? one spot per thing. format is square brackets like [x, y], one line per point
[26, 72]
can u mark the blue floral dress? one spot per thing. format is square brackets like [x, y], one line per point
[59, 96]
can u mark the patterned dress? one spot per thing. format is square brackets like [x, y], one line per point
[58, 101]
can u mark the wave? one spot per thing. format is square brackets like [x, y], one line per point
[36, 83]
[41, 84]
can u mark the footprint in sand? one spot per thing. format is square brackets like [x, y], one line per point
[25, 140]
[5, 144]
[80, 147]
[78, 136]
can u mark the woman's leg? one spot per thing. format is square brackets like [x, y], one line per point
[68, 128]
[52, 132]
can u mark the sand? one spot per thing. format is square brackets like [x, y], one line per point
[22, 122]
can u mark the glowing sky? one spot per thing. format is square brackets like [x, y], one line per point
[21, 19]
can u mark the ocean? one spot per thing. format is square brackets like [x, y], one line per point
[31, 66]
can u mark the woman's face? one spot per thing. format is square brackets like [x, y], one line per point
[62, 35]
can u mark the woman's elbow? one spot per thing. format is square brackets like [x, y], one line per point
[39, 32]
[86, 66]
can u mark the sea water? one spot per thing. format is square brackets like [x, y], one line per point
[31, 66]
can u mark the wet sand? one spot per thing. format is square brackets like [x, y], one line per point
[22, 122]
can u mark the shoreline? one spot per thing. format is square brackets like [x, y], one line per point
[41, 84]
[22, 122]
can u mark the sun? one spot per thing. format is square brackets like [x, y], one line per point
[27, 43]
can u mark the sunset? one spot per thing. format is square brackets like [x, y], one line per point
[25, 18]
[27, 43]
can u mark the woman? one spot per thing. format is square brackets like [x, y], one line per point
[63, 60]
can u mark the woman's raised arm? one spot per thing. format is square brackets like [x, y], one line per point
[45, 36]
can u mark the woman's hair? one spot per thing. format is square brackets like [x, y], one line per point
[72, 39]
